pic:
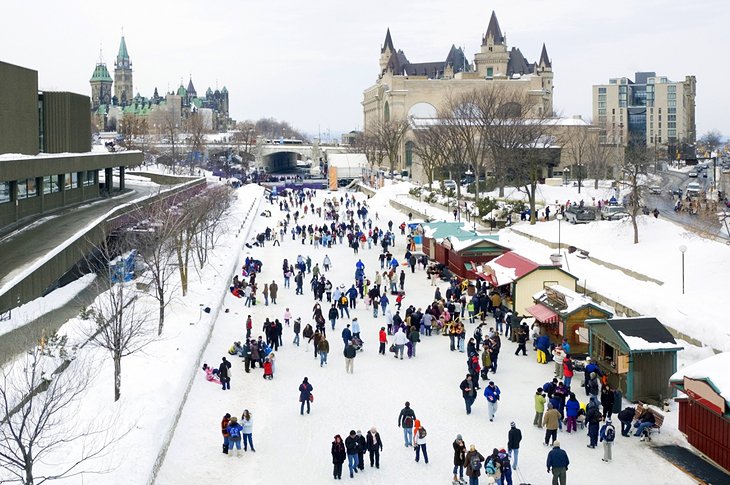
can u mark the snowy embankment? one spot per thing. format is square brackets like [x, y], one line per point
[155, 381]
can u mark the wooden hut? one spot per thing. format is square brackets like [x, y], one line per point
[562, 313]
[704, 414]
[638, 355]
[452, 245]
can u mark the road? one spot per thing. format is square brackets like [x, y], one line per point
[665, 201]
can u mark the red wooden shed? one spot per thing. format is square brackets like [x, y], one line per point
[704, 414]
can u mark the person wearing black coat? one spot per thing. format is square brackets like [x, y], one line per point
[224, 375]
[374, 447]
[352, 446]
[468, 392]
[338, 456]
[607, 398]
[459, 457]
[626, 417]
[514, 437]
[362, 447]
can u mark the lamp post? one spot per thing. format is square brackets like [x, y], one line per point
[559, 217]
[683, 249]
[566, 171]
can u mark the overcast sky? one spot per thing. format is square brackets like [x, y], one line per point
[308, 62]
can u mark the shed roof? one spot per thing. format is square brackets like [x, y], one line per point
[639, 334]
[455, 231]
[713, 371]
[570, 301]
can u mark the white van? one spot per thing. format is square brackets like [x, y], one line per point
[693, 189]
[613, 212]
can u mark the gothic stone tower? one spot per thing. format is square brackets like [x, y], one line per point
[493, 58]
[123, 91]
[101, 86]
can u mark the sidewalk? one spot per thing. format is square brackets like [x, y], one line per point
[692, 464]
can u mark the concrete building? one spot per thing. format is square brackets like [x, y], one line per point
[33, 127]
[650, 109]
[405, 89]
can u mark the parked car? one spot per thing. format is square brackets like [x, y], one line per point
[580, 215]
[655, 189]
[692, 174]
[450, 184]
[613, 212]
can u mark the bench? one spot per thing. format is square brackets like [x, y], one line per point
[658, 421]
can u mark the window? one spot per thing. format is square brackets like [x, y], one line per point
[672, 133]
[409, 153]
[386, 112]
[602, 91]
[601, 105]
[672, 124]
[671, 117]
[490, 71]
[27, 188]
[672, 89]
[71, 181]
[672, 103]
[90, 178]
[4, 192]
[672, 96]
[671, 110]
[50, 184]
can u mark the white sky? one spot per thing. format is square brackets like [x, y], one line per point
[309, 62]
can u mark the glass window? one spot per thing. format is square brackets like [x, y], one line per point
[4, 192]
[672, 89]
[27, 188]
[490, 72]
[50, 184]
[601, 90]
[672, 103]
[90, 176]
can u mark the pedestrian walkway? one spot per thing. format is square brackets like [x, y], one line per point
[694, 465]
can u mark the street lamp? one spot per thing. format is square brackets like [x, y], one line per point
[683, 249]
[559, 217]
[566, 172]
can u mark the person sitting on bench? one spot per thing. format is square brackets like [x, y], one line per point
[646, 420]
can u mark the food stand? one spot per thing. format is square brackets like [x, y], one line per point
[638, 356]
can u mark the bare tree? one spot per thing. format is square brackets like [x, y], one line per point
[39, 417]
[170, 129]
[196, 130]
[388, 136]
[121, 326]
[431, 149]
[576, 143]
[213, 204]
[601, 153]
[368, 144]
[153, 234]
[711, 141]
[634, 167]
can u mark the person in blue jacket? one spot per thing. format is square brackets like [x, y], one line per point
[572, 407]
[305, 394]
[346, 334]
[557, 463]
[234, 435]
[491, 392]
[543, 345]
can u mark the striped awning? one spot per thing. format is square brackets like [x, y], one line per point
[543, 314]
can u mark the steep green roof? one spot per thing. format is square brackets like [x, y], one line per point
[198, 103]
[181, 91]
[101, 73]
[122, 50]
[225, 90]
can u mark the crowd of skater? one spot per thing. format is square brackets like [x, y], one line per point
[475, 318]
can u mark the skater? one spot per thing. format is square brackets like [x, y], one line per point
[273, 292]
[234, 435]
[382, 340]
[223, 373]
[350, 353]
[305, 394]
[374, 447]
[473, 464]
[593, 418]
[551, 421]
[459, 459]
[224, 429]
[491, 392]
[362, 447]
[608, 434]
[514, 437]
[400, 341]
[557, 463]
[419, 442]
[351, 446]
[468, 392]
[406, 419]
[324, 348]
[247, 423]
[297, 329]
[338, 456]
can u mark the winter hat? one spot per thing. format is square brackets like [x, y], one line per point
[227, 416]
[373, 430]
[458, 437]
[539, 390]
[556, 444]
[359, 433]
[352, 432]
[512, 425]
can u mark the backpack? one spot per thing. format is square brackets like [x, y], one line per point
[610, 433]
[490, 468]
[475, 463]
[408, 422]
[422, 432]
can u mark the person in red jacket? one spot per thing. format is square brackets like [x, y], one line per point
[567, 371]
[383, 339]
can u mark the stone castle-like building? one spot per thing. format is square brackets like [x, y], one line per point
[406, 89]
[108, 110]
